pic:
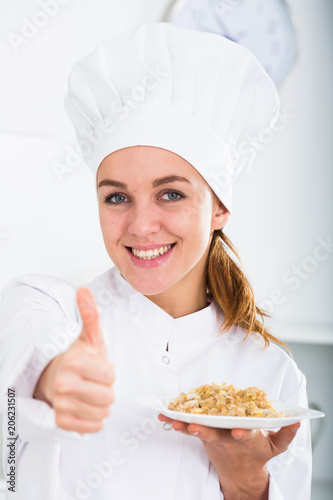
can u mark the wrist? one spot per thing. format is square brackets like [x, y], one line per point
[253, 485]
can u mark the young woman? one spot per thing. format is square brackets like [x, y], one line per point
[162, 115]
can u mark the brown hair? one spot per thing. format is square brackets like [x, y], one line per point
[228, 285]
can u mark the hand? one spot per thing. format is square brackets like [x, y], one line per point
[239, 455]
[78, 383]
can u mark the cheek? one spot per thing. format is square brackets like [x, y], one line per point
[200, 219]
[201, 228]
[194, 227]
[192, 213]
[112, 225]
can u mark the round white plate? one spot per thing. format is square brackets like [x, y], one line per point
[296, 413]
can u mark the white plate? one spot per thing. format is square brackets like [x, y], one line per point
[296, 414]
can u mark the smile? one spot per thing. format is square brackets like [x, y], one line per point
[152, 253]
[154, 257]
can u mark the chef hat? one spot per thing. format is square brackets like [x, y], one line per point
[196, 94]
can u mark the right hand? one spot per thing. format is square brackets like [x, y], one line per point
[78, 383]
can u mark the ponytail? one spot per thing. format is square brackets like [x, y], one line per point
[230, 288]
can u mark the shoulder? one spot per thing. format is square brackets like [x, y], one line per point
[42, 282]
[273, 365]
[111, 288]
[54, 285]
[46, 293]
[37, 292]
[49, 291]
[254, 344]
[110, 283]
[45, 284]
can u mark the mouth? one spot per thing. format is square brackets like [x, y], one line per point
[152, 253]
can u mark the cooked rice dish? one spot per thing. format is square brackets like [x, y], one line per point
[226, 400]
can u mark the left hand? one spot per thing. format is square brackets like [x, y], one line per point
[239, 455]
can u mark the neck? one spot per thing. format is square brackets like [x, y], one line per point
[178, 302]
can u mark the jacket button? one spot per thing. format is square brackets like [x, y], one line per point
[166, 360]
[166, 426]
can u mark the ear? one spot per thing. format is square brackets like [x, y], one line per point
[220, 215]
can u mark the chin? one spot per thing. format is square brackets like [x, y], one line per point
[149, 288]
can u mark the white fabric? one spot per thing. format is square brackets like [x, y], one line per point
[133, 456]
[196, 94]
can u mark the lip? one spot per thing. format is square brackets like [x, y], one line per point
[151, 246]
[149, 263]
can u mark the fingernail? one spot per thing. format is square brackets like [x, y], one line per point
[294, 430]
[194, 433]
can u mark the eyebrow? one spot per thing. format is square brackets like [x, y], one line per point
[157, 182]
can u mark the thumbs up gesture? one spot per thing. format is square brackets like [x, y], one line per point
[78, 383]
[91, 333]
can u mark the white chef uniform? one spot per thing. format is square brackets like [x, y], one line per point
[134, 455]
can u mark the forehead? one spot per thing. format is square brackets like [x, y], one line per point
[146, 161]
[142, 165]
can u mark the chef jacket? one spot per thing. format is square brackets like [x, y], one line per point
[154, 354]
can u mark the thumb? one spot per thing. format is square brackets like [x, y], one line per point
[281, 440]
[91, 332]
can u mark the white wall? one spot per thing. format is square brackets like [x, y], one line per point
[284, 204]
[315, 361]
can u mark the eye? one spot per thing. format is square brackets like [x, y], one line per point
[174, 194]
[119, 199]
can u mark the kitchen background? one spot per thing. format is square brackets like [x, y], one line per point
[281, 224]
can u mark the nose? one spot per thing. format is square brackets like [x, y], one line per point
[144, 220]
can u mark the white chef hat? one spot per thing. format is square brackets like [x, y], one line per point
[197, 94]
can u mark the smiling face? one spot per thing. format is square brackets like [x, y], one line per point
[150, 198]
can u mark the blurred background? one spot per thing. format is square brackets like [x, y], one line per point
[281, 224]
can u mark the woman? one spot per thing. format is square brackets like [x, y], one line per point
[162, 115]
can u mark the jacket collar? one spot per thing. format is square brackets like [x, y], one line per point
[196, 329]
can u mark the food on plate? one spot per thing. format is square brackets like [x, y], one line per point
[225, 400]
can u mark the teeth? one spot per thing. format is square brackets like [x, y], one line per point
[150, 254]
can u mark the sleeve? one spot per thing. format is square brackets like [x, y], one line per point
[290, 472]
[38, 321]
